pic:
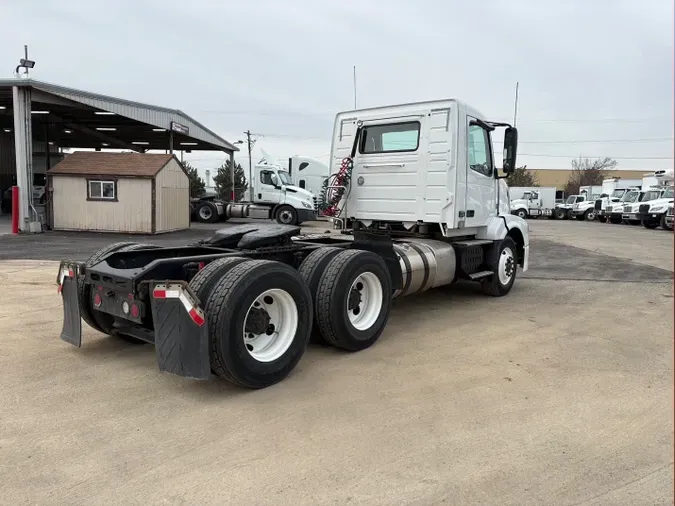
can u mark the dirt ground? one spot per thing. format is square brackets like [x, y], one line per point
[558, 394]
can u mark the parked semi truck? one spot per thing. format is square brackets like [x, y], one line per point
[532, 202]
[273, 197]
[419, 186]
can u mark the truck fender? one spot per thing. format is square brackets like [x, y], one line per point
[498, 227]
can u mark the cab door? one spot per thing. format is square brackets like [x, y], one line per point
[480, 201]
[268, 190]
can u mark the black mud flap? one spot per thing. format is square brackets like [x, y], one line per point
[181, 345]
[72, 324]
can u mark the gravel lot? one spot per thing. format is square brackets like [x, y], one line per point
[560, 393]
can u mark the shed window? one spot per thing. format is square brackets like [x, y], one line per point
[102, 190]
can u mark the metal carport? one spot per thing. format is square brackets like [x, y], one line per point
[38, 114]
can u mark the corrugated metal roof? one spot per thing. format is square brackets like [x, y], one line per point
[160, 117]
[86, 163]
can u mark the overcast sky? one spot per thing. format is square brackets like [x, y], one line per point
[592, 70]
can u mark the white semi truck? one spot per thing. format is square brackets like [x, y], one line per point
[418, 183]
[273, 196]
[532, 202]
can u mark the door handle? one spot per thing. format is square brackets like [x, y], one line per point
[369, 166]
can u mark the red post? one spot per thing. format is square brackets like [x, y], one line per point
[15, 209]
[233, 195]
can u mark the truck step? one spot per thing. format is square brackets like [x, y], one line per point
[480, 275]
[472, 242]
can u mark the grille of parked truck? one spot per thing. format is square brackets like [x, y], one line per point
[421, 208]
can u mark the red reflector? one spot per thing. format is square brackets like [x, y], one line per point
[135, 311]
[196, 317]
[71, 273]
[97, 300]
[131, 296]
[201, 265]
[159, 294]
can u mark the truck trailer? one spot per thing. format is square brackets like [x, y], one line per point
[419, 186]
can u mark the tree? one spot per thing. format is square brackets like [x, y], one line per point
[521, 177]
[587, 172]
[197, 185]
[223, 182]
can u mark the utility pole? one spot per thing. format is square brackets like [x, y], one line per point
[250, 142]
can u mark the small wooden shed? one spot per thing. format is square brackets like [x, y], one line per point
[119, 192]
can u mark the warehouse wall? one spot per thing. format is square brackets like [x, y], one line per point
[172, 198]
[559, 177]
[131, 213]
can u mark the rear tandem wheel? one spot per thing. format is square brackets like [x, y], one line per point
[260, 317]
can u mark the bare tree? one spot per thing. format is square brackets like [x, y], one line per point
[521, 177]
[587, 172]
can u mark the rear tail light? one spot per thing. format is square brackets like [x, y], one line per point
[98, 300]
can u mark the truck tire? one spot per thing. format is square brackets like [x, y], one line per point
[105, 321]
[589, 215]
[521, 213]
[560, 214]
[260, 317]
[569, 214]
[353, 300]
[207, 212]
[602, 219]
[662, 222]
[84, 291]
[505, 266]
[287, 215]
[615, 221]
[311, 269]
[651, 225]
[204, 281]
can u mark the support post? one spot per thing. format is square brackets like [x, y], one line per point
[15, 209]
[233, 195]
[23, 144]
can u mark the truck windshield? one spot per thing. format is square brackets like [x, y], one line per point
[284, 177]
[571, 199]
[668, 194]
[629, 197]
[618, 193]
[650, 195]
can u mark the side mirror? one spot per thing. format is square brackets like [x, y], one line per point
[510, 148]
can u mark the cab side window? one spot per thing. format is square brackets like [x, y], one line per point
[266, 177]
[480, 159]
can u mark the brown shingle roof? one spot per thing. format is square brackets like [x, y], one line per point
[86, 163]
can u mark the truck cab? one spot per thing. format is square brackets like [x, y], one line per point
[653, 214]
[565, 211]
[527, 205]
[629, 210]
[423, 169]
